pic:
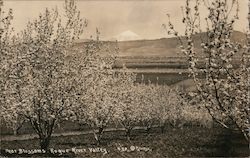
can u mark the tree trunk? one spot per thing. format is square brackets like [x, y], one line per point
[128, 133]
[16, 130]
[44, 143]
[44, 133]
[162, 129]
[148, 126]
[98, 135]
[148, 129]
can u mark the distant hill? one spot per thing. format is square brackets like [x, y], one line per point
[142, 48]
[165, 47]
[158, 53]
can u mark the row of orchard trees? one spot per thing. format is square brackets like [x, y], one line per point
[46, 80]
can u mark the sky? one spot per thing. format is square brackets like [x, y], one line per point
[112, 17]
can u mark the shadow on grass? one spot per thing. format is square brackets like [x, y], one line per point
[229, 144]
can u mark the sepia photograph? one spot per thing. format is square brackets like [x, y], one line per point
[124, 78]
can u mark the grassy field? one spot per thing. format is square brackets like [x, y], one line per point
[182, 142]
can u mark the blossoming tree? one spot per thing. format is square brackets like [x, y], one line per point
[224, 89]
[39, 86]
[98, 106]
[126, 113]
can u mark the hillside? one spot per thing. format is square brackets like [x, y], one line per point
[164, 47]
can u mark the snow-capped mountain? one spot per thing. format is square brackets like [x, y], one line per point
[127, 36]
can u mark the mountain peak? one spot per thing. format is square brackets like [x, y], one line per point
[127, 36]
